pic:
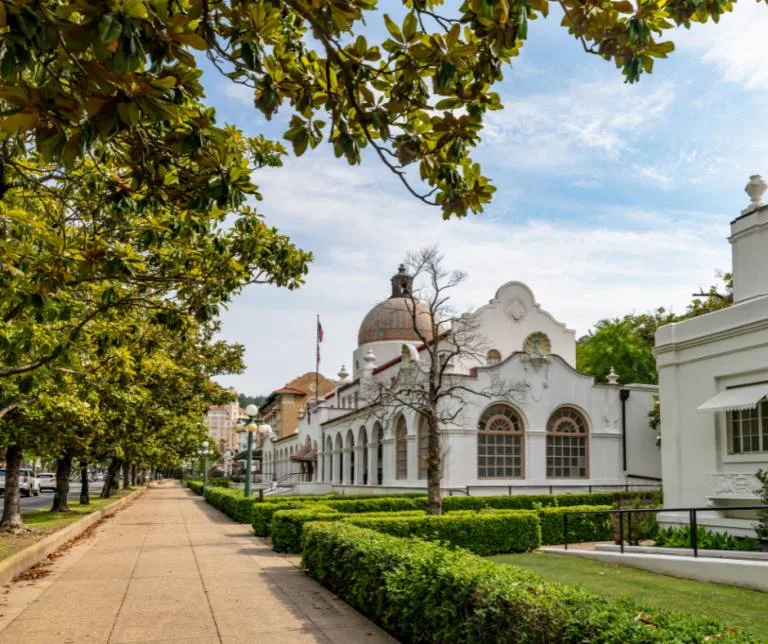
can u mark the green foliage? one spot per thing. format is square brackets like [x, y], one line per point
[644, 525]
[263, 512]
[707, 540]
[287, 525]
[380, 504]
[231, 502]
[524, 501]
[484, 533]
[422, 592]
[761, 527]
[581, 527]
[340, 497]
[217, 481]
[195, 485]
[244, 400]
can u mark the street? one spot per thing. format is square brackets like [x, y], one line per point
[46, 498]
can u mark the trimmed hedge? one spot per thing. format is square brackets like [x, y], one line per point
[484, 533]
[581, 527]
[287, 525]
[381, 504]
[262, 513]
[195, 485]
[341, 497]
[230, 502]
[524, 501]
[422, 592]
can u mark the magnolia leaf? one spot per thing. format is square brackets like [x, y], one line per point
[20, 122]
[193, 40]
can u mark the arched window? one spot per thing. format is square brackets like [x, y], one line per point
[401, 449]
[423, 441]
[537, 344]
[493, 357]
[500, 443]
[350, 450]
[567, 436]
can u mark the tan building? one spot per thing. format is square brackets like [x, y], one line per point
[220, 421]
[286, 405]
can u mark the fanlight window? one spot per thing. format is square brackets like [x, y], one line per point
[537, 344]
[500, 443]
[493, 357]
[567, 437]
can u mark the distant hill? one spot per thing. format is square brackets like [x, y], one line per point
[250, 400]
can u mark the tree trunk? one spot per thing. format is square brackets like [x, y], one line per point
[126, 476]
[110, 478]
[63, 470]
[133, 475]
[434, 468]
[12, 506]
[85, 496]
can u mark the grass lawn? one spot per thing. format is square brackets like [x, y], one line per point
[736, 606]
[43, 522]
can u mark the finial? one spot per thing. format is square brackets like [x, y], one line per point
[343, 374]
[612, 377]
[370, 359]
[755, 188]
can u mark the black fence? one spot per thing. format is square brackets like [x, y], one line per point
[693, 523]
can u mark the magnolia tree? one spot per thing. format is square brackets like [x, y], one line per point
[432, 380]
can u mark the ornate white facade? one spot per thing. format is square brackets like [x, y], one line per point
[553, 428]
[713, 375]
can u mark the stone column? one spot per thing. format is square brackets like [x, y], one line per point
[372, 464]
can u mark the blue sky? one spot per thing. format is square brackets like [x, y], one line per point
[611, 198]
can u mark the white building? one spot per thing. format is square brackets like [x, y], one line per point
[713, 379]
[557, 430]
[220, 421]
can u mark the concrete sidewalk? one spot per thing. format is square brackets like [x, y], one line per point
[172, 569]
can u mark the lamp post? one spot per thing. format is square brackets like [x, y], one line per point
[250, 424]
[204, 455]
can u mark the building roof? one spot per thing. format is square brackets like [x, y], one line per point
[289, 390]
[393, 319]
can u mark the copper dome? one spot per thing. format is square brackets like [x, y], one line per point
[392, 319]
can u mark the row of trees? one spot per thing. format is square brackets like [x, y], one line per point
[626, 344]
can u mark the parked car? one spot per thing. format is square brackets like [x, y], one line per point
[28, 483]
[47, 481]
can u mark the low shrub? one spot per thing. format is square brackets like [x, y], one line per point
[262, 513]
[340, 497]
[484, 533]
[287, 525]
[524, 501]
[381, 504]
[643, 524]
[581, 527]
[422, 592]
[195, 485]
[231, 502]
[707, 540]
[218, 482]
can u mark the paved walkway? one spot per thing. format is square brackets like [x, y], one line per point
[172, 569]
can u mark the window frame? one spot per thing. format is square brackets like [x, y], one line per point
[761, 416]
[401, 450]
[493, 357]
[517, 432]
[581, 434]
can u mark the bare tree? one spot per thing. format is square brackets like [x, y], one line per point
[434, 380]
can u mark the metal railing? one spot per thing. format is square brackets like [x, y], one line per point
[555, 488]
[693, 522]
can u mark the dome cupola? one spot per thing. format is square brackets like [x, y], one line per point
[393, 319]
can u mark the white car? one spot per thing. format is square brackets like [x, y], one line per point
[28, 482]
[47, 481]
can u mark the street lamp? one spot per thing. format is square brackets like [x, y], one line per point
[203, 452]
[250, 424]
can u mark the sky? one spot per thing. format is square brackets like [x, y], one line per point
[611, 198]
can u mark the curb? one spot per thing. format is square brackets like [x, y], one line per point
[29, 556]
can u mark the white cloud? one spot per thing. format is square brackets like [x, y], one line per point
[556, 130]
[737, 46]
[360, 229]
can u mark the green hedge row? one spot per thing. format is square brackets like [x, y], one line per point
[524, 501]
[340, 497]
[484, 533]
[195, 485]
[581, 527]
[422, 592]
[230, 502]
[287, 525]
[262, 513]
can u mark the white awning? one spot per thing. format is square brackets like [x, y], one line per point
[737, 398]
